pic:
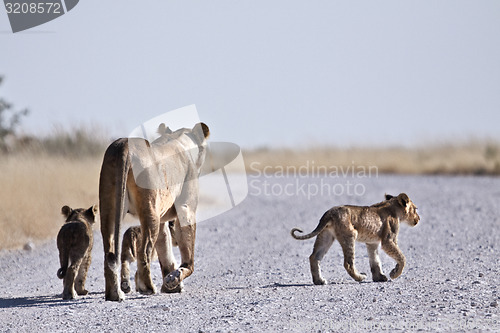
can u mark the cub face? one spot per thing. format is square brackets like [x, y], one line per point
[410, 215]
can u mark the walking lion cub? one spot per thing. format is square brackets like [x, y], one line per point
[372, 225]
[132, 238]
[74, 241]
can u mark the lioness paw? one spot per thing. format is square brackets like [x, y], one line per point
[115, 295]
[172, 281]
[380, 278]
[395, 273]
[177, 289]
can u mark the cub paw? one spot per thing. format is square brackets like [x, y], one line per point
[125, 286]
[82, 292]
[68, 296]
[319, 282]
[360, 277]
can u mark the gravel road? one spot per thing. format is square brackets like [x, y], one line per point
[251, 275]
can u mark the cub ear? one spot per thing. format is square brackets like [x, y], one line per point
[403, 199]
[388, 196]
[91, 212]
[66, 211]
[163, 129]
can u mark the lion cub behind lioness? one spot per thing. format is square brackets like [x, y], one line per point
[132, 238]
[74, 241]
[372, 225]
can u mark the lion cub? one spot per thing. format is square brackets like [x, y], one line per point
[132, 238]
[74, 241]
[372, 225]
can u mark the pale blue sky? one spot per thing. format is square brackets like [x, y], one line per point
[265, 72]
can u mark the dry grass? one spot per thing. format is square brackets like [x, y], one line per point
[478, 158]
[33, 190]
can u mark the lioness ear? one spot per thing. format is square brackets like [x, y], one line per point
[206, 130]
[66, 211]
[403, 199]
[388, 196]
[201, 131]
[163, 129]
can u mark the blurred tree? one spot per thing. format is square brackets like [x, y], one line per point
[9, 121]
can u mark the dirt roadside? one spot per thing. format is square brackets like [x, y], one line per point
[250, 275]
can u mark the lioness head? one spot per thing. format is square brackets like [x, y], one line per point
[79, 214]
[410, 214]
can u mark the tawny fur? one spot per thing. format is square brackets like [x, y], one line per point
[157, 182]
[132, 239]
[373, 225]
[74, 241]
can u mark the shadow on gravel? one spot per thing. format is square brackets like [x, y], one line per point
[36, 301]
[283, 285]
[273, 285]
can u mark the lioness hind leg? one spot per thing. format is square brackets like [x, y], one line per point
[112, 289]
[321, 246]
[166, 257]
[144, 283]
[82, 276]
[375, 265]
[348, 243]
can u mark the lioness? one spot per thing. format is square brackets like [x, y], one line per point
[132, 238]
[158, 182]
[372, 225]
[74, 241]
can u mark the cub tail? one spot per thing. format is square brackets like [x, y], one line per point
[63, 260]
[322, 224]
[61, 272]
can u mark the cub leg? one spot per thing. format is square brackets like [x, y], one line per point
[82, 275]
[125, 276]
[348, 247]
[130, 245]
[391, 248]
[69, 279]
[322, 244]
[375, 265]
